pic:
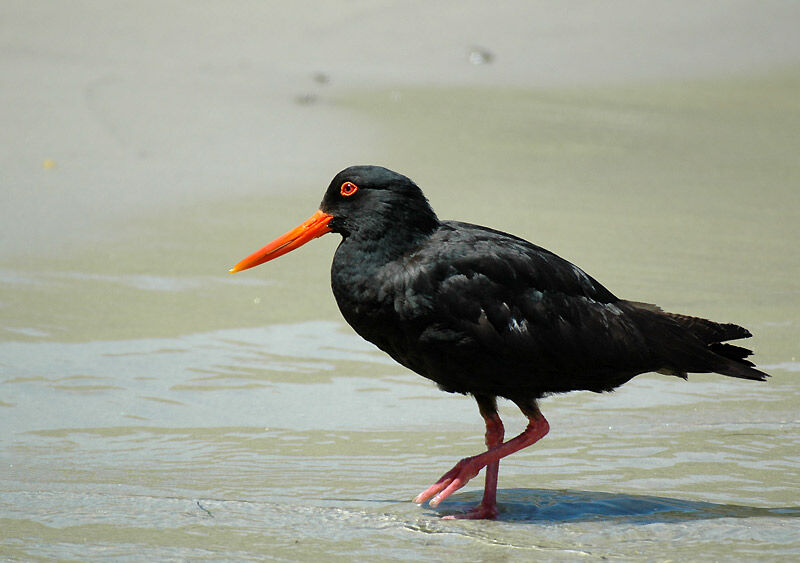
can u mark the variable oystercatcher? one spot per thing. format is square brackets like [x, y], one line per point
[488, 314]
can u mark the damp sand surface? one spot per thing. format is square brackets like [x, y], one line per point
[154, 407]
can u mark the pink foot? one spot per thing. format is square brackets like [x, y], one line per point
[453, 480]
[480, 512]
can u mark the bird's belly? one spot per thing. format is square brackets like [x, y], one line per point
[461, 361]
[452, 367]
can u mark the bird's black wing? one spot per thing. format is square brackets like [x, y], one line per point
[493, 302]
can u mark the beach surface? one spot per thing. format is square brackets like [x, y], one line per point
[154, 407]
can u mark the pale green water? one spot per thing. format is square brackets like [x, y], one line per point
[154, 407]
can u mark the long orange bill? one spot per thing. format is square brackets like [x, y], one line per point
[313, 227]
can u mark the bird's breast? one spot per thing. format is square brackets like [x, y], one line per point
[382, 305]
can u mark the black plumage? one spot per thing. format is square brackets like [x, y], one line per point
[486, 313]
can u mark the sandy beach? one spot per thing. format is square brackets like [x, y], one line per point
[155, 407]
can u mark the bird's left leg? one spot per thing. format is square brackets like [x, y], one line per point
[468, 467]
[494, 438]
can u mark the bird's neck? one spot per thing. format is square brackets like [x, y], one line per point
[367, 266]
[369, 252]
[389, 237]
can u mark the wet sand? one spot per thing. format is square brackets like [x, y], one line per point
[155, 407]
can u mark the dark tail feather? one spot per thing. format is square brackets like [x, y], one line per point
[709, 331]
[741, 369]
[735, 353]
[726, 359]
[713, 335]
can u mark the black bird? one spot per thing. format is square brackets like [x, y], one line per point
[485, 313]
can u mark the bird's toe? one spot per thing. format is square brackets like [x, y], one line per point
[480, 512]
[451, 481]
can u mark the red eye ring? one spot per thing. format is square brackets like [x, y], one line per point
[348, 189]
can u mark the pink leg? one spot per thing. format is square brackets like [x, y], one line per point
[469, 467]
[495, 432]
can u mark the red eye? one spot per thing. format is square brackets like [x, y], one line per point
[348, 189]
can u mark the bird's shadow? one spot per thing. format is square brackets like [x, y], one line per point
[561, 506]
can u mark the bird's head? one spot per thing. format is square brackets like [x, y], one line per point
[362, 203]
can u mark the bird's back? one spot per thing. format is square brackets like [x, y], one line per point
[481, 311]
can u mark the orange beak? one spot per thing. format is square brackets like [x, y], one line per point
[313, 227]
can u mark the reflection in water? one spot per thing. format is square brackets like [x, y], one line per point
[553, 506]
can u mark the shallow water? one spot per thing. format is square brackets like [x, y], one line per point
[154, 407]
[296, 441]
